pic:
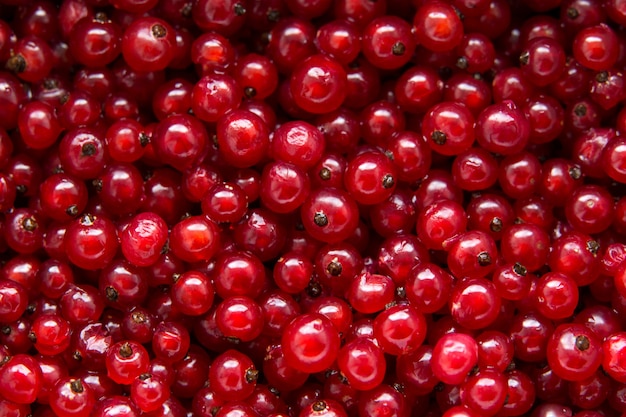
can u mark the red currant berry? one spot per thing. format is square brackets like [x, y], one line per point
[310, 343]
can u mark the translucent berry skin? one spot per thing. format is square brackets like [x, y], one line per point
[21, 379]
[411, 155]
[527, 244]
[91, 242]
[614, 351]
[370, 293]
[180, 140]
[63, 197]
[31, 60]
[474, 303]
[39, 125]
[52, 334]
[428, 287]
[613, 159]
[596, 47]
[472, 254]
[337, 207]
[448, 127]
[370, 177]
[143, 239]
[323, 408]
[215, 95]
[195, 239]
[543, 61]
[242, 138]
[94, 43]
[590, 209]
[278, 373]
[574, 352]
[240, 317]
[149, 392]
[418, 89]
[384, 400]
[502, 128]
[225, 17]
[232, 375]
[439, 222]
[170, 342]
[485, 392]
[387, 42]
[82, 152]
[437, 26]
[310, 343]
[13, 301]
[193, 293]
[363, 364]
[284, 187]
[575, 254]
[148, 44]
[454, 355]
[125, 361]
[72, 398]
[339, 39]
[318, 84]
[400, 329]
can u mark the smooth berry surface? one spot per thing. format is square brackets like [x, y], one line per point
[312, 208]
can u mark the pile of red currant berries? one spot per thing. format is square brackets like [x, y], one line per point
[312, 208]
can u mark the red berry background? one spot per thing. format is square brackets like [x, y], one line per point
[312, 208]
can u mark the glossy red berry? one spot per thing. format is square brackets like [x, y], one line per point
[453, 356]
[448, 127]
[72, 397]
[148, 392]
[370, 177]
[474, 303]
[171, 341]
[472, 254]
[590, 209]
[31, 59]
[239, 317]
[192, 293]
[310, 343]
[97, 42]
[195, 239]
[232, 376]
[215, 95]
[437, 26]
[91, 241]
[574, 352]
[125, 361]
[13, 301]
[148, 44]
[613, 348]
[143, 239]
[387, 42]
[242, 138]
[596, 47]
[485, 392]
[318, 84]
[502, 128]
[180, 141]
[370, 293]
[400, 329]
[542, 60]
[21, 379]
[284, 187]
[298, 143]
[39, 125]
[329, 215]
